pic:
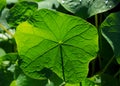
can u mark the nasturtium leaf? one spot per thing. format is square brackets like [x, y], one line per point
[21, 12]
[57, 42]
[87, 8]
[111, 32]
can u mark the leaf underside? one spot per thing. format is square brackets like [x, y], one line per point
[87, 8]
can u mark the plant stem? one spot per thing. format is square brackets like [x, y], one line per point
[80, 83]
[117, 73]
[109, 62]
[96, 20]
[61, 54]
[7, 31]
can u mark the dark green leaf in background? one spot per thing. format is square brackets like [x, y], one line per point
[7, 59]
[53, 41]
[109, 80]
[12, 57]
[21, 12]
[87, 8]
[111, 32]
[7, 68]
[2, 4]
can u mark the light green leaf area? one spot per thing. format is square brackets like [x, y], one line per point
[111, 32]
[31, 0]
[87, 8]
[2, 4]
[21, 12]
[94, 81]
[23, 80]
[58, 42]
[77, 84]
[13, 83]
[2, 52]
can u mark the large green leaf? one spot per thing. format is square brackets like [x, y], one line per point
[58, 42]
[111, 32]
[21, 12]
[87, 8]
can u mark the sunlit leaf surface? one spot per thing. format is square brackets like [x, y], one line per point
[53, 41]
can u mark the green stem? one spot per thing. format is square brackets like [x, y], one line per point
[96, 20]
[80, 83]
[107, 65]
[7, 31]
[61, 54]
[117, 73]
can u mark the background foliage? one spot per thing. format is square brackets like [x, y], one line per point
[59, 42]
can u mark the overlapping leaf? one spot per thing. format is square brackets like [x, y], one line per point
[87, 8]
[23, 80]
[53, 41]
[21, 12]
[48, 4]
[111, 31]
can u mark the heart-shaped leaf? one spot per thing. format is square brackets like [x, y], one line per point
[111, 32]
[87, 8]
[57, 42]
